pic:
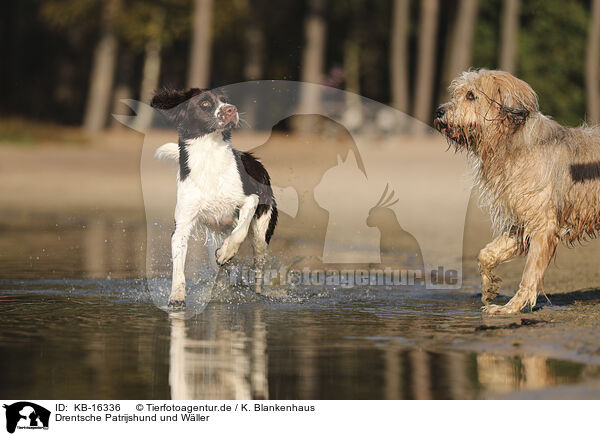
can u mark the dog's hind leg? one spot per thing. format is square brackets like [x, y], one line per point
[231, 245]
[542, 247]
[501, 249]
[260, 226]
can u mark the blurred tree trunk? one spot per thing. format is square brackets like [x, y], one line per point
[254, 62]
[151, 71]
[200, 52]
[510, 35]
[458, 58]
[123, 87]
[255, 49]
[315, 29]
[150, 77]
[103, 69]
[591, 74]
[353, 114]
[428, 27]
[399, 55]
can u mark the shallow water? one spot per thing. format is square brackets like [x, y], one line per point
[105, 339]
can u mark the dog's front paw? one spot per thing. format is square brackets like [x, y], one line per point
[496, 309]
[176, 304]
[490, 287]
[177, 297]
[226, 252]
[489, 296]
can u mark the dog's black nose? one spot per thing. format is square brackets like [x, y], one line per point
[440, 111]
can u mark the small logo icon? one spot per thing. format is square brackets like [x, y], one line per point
[26, 415]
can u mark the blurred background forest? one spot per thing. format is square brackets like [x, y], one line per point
[69, 62]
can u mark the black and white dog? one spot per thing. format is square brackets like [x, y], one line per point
[223, 190]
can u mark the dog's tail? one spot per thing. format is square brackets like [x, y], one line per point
[168, 151]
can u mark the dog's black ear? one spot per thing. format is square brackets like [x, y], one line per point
[173, 102]
[168, 98]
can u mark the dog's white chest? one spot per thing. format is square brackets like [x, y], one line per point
[213, 182]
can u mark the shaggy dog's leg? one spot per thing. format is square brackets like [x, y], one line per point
[231, 245]
[542, 246]
[501, 249]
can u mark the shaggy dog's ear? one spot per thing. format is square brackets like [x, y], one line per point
[513, 109]
[167, 98]
[516, 116]
[515, 98]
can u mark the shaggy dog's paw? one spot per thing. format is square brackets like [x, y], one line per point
[488, 297]
[495, 309]
[490, 287]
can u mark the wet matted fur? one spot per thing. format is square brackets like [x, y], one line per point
[540, 181]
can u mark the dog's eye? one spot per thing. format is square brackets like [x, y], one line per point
[470, 96]
[205, 103]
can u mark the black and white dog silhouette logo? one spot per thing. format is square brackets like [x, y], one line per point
[26, 415]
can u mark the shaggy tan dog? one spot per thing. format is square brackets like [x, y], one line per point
[539, 180]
